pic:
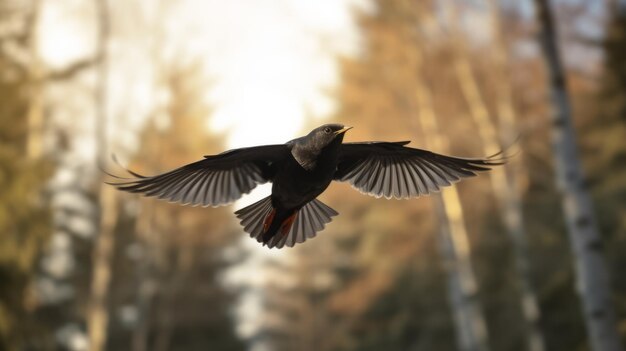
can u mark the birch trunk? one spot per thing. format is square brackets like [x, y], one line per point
[591, 271]
[53, 282]
[97, 314]
[470, 324]
[147, 282]
[502, 185]
[509, 203]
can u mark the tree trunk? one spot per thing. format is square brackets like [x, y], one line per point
[503, 186]
[510, 207]
[510, 200]
[97, 314]
[147, 282]
[35, 113]
[591, 271]
[462, 288]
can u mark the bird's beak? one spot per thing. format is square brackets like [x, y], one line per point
[343, 130]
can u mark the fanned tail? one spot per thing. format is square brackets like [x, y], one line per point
[257, 219]
[253, 217]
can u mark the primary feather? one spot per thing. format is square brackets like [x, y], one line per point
[299, 171]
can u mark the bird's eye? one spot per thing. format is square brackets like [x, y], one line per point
[327, 130]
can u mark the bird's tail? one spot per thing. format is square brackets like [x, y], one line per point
[277, 229]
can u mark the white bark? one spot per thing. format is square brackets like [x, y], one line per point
[591, 271]
[510, 207]
[470, 323]
[147, 283]
[502, 183]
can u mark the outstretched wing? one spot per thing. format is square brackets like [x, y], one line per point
[214, 181]
[391, 169]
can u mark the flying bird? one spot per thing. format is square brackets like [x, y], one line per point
[299, 171]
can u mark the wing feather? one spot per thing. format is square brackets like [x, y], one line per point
[392, 170]
[214, 181]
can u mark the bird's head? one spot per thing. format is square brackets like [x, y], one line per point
[308, 148]
[326, 134]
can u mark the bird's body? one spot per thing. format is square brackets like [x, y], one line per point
[303, 176]
[300, 171]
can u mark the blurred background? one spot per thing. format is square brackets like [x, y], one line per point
[491, 264]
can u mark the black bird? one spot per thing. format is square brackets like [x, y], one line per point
[300, 170]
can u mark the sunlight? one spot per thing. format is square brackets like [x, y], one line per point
[161, 83]
[272, 63]
[269, 68]
[64, 36]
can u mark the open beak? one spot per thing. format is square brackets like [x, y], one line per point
[343, 130]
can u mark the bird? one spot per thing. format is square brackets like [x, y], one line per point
[300, 170]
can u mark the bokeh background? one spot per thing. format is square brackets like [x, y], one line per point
[488, 265]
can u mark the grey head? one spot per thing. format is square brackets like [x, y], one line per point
[306, 149]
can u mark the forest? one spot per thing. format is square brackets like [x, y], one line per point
[529, 256]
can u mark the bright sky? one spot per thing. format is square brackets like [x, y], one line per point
[270, 64]
[270, 61]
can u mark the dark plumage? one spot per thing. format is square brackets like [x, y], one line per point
[300, 170]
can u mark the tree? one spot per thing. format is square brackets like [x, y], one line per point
[503, 183]
[97, 314]
[591, 270]
[604, 143]
[175, 290]
[24, 218]
[391, 77]
[455, 247]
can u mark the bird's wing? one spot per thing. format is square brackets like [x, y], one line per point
[214, 181]
[391, 169]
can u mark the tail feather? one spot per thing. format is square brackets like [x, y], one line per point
[294, 229]
[309, 220]
[253, 216]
